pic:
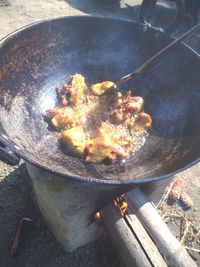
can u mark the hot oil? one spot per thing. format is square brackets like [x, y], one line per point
[95, 114]
[98, 110]
[139, 140]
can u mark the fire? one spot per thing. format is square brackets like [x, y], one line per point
[119, 203]
[97, 217]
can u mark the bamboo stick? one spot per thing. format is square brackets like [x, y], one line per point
[168, 245]
[144, 238]
[123, 239]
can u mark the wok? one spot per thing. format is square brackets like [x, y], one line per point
[40, 57]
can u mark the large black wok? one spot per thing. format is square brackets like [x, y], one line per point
[37, 58]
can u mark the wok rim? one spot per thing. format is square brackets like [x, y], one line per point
[93, 180]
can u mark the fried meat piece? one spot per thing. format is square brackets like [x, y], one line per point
[124, 107]
[108, 144]
[62, 117]
[100, 88]
[62, 95]
[72, 93]
[76, 89]
[142, 122]
[74, 139]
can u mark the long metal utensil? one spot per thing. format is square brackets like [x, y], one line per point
[151, 60]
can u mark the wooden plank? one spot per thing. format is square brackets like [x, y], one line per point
[123, 239]
[168, 245]
[145, 240]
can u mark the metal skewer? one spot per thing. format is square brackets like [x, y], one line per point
[151, 60]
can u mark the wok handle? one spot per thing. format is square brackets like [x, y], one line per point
[147, 9]
[8, 156]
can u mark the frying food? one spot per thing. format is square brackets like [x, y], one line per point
[109, 143]
[99, 127]
[100, 88]
[74, 139]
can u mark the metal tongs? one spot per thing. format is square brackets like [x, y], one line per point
[150, 61]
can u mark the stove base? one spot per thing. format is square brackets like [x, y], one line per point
[69, 206]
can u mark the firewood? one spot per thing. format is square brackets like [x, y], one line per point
[170, 248]
[122, 237]
[143, 238]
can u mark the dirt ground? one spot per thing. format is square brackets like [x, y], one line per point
[16, 196]
[40, 249]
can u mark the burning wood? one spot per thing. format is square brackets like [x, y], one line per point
[97, 217]
[120, 203]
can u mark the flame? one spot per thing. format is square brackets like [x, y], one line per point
[97, 217]
[119, 203]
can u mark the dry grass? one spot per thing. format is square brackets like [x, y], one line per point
[187, 228]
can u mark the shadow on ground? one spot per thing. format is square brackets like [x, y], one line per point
[40, 248]
[107, 8]
[162, 16]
